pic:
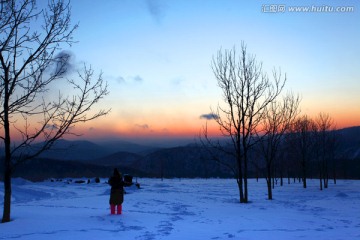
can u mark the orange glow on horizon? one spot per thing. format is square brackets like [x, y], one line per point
[183, 129]
[193, 128]
[343, 118]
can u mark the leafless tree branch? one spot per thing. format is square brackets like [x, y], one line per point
[27, 57]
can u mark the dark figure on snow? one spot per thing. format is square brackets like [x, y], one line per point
[117, 192]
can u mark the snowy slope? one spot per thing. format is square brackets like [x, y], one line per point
[183, 209]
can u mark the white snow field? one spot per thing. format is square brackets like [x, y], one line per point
[183, 209]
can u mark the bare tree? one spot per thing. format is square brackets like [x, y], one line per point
[300, 144]
[278, 118]
[325, 145]
[247, 91]
[30, 64]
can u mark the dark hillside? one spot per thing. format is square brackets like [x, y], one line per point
[349, 142]
[40, 169]
[117, 159]
[187, 161]
[116, 145]
[86, 159]
[75, 150]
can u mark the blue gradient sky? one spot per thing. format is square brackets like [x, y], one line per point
[156, 56]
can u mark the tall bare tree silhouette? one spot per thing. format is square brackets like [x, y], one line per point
[30, 42]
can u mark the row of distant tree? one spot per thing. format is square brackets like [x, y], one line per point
[264, 125]
[307, 142]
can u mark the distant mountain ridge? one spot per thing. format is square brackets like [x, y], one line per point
[123, 158]
[88, 150]
[75, 150]
[349, 142]
[88, 158]
[116, 145]
[84, 150]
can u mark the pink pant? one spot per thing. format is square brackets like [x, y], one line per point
[118, 208]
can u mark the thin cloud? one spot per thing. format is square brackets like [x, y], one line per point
[209, 116]
[130, 79]
[137, 78]
[64, 63]
[51, 126]
[120, 80]
[156, 10]
[142, 126]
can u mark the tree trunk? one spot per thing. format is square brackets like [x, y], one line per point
[326, 180]
[320, 177]
[239, 173]
[268, 182]
[304, 173]
[274, 178]
[246, 199]
[7, 195]
[241, 193]
[7, 161]
[288, 175]
[326, 175]
[321, 185]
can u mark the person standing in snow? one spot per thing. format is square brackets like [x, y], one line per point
[117, 192]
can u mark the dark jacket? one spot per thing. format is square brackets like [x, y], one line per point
[117, 190]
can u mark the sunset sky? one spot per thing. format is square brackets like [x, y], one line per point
[156, 57]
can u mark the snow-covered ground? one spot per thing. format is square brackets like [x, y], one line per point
[183, 209]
